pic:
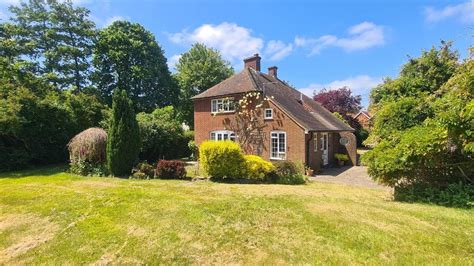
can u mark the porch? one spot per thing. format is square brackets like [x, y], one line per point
[322, 146]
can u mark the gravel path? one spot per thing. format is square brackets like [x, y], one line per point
[355, 176]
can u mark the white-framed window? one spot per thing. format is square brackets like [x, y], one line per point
[268, 113]
[278, 145]
[224, 105]
[315, 144]
[222, 135]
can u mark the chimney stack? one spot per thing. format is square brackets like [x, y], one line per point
[272, 71]
[253, 62]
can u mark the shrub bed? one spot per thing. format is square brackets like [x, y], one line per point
[454, 195]
[287, 173]
[171, 169]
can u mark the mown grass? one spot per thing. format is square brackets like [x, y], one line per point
[50, 217]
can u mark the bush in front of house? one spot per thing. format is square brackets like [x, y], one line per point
[221, 159]
[257, 168]
[87, 152]
[143, 170]
[170, 169]
[287, 173]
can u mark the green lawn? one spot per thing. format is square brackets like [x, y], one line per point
[51, 217]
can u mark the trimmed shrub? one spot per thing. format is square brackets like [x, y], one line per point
[288, 173]
[257, 168]
[454, 195]
[221, 159]
[87, 152]
[171, 169]
[143, 170]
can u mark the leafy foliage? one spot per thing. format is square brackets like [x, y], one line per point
[35, 129]
[454, 195]
[170, 169]
[57, 37]
[419, 77]
[425, 142]
[257, 168]
[127, 56]
[123, 143]
[199, 69]
[287, 173]
[399, 115]
[341, 101]
[221, 159]
[143, 170]
[162, 136]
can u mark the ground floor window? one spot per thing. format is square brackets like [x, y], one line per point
[278, 145]
[222, 135]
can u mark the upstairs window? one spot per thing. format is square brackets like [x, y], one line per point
[278, 145]
[268, 113]
[222, 135]
[224, 105]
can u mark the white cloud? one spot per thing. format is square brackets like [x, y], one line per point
[359, 85]
[173, 60]
[361, 36]
[233, 41]
[463, 12]
[3, 16]
[112, 19]
[277, 50]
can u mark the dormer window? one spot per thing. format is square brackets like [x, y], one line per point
[268, 113]
[224, 105]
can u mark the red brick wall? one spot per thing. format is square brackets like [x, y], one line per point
[205, 122]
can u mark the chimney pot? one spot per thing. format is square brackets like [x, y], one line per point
[253, 62]
[272, 71]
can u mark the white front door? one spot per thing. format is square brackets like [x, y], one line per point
[324, 148]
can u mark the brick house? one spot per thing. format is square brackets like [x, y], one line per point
[364, 119]
[271, 119]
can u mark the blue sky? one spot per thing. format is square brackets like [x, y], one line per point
[315, 44]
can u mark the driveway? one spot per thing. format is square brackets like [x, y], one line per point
[354, 176]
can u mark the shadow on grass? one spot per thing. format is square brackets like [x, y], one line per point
[35, 171]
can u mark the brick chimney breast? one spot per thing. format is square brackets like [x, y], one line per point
[272, 71]
[253, 62]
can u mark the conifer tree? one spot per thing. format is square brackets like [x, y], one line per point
[123, 143]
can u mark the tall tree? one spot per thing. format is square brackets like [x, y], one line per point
[419, 77]
[127, 56]
[341, 101]
[73, 36]
[123, 142]
[57, 37]
[197, 70]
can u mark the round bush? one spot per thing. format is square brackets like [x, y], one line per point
[257, 168]
[87, 150]
[221, 159]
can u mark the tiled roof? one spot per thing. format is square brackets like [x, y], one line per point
[238, 83]
[304, 110]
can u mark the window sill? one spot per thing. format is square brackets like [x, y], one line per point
[277, 159]
[222, 113]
